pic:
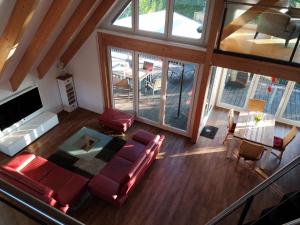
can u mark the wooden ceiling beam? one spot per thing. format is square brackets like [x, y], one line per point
[160, 49]
[246, 17]
[86, 31]
[18, 20]
[75, 20]
[38, 42]
[285, 72]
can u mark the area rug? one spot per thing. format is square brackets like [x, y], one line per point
[209, 132]
[87, 151]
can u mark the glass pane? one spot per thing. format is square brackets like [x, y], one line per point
[208, 103]
[188, 18]
[292, 110]
[149, 81]
[121, 67]
[236, 88]
[265, 31]
[125, 18]
[270, 92]
[179, 94]
[294, 3]
[152, 15]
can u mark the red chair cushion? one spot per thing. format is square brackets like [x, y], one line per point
[116, 120]
[278, 143]
[143, 137]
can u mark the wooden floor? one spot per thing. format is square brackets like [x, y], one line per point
[242, 41]
[187, 184]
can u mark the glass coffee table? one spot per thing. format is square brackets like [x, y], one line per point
[87, 151]
[85, 143]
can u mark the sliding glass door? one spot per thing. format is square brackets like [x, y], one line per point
[282, 97]
[235, 88]
[179, 94]
[149, 86]
[122, 79]
[159, 91]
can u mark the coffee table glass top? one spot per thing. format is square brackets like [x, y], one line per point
[85, 143]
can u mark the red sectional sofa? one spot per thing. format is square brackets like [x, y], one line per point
[115, 181]
[44, 180]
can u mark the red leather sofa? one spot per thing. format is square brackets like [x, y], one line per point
[116, 120]
[116, 180]
[44, 180]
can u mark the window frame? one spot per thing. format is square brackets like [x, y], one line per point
[251, 93]
[167, 35]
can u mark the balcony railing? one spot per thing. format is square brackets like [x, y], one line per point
[273, 198]
[270, 32]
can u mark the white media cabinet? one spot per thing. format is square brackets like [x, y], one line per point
[28, 132]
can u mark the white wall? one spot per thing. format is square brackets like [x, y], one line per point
[85, 68]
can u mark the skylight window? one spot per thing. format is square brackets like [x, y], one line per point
[125, 17]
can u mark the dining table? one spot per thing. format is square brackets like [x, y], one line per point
[258, 128]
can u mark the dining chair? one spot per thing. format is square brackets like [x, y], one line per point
[230, 124]
[256, 105]
[250, 151]
[280, 144]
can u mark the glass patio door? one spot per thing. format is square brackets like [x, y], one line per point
[235, 88]
[159, 91]
[149, 83]
[179, 94]
[122, 79]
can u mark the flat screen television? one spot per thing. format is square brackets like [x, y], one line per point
[20, 107]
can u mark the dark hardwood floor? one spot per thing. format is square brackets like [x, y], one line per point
[187, 184]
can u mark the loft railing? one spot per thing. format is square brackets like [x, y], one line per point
[241, 21]
[32, 207]
[238, 211]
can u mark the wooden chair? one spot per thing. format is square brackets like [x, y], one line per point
[256, 105]
[280, 144]
[250, 151]
[230, 125]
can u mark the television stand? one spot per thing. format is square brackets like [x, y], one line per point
[24, 135]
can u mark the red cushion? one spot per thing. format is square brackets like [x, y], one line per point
[132, 150]
[20, 161]
[27, 181]
[117, 169]
[101, 185]
[116, 119]
[277, 142]
[66, 184]
[144, 137]
[38, 168]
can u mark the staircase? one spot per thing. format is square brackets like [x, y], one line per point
[253, 209]
[287, 210]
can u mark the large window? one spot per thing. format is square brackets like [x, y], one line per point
[271, 91]
[149, 87]
[152, 15]
[292, 110]
[125, 17]
[188, 18]
[282, 97]
[122, 80]
[179, 94]
[159, 91]
[236, 88]
[176, 20]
